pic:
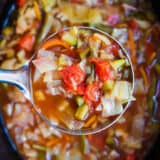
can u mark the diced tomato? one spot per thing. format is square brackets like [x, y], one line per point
[103, 69]
[149, 48]
[27, 42]
[21, 3]
[72, 77]
[130, 156]
[81, 89]
[133, 24]
[115, 49]
[97, 140]
[92, 93]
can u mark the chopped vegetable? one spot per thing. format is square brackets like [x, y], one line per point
[103, 70]
[157, 68]
[95, 87]
[116, 64]
[110, 107]
[82, 112]
[104, 39]
[47, 24]
[122, 91]
[44, 64]
[27, 42]
[84, 53]
[108, 85]
[21, 3]
[71, 39]
[80, 14]
[92, 92]
[72, 76]
[85, 145]
[79, 100]
[53, 43]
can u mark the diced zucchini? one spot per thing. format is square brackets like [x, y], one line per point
[110, 141]
[2, 43]
[61, 61]
[79, 100]
[157, 68]
[84, 53]
[79, 43]
[116, 64]
[108, 85]
[74, 31]
[69, 38]
[122, 91]
[82, 112]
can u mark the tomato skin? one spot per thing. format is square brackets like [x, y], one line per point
[27, 42]
[21, 3]
[103, 69]
[92, 93]
[130, 156]
[72, 77]
[133, 24]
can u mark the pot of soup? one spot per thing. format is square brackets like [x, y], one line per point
[81, 82]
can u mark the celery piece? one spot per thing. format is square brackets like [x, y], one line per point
[157, 68]
[61, 61]
[85, 144]
[110, 141]
[82, 112]
[79, 43]
[108, 85]
[116, 64]
[69, 38]
[79, 100]
[39, 147]
[84, 53]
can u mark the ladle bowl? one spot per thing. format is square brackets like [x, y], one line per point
[22, 79]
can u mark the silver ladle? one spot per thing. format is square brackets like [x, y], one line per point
[22, 79]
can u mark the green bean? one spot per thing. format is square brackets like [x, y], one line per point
[48, 21]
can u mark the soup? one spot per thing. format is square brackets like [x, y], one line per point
[135, 26]
[79, 75]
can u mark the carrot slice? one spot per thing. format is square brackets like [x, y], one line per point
[132, 45]
[53, 43]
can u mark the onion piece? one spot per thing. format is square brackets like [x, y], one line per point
[111, 107]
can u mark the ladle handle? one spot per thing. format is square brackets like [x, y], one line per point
[18, 78]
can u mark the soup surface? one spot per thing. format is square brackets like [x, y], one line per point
[81, 78]
[135, 26]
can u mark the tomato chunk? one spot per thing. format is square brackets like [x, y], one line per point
[72, 77]
[27, 42]
[92, 93]
[130, 156]
[21, 3]
[103, 69]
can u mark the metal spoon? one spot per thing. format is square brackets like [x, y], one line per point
[22, 78]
